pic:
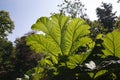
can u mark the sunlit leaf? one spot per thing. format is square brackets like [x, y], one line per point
[62, 38]
[62, 35]
[111, 44]
[77, 60]
[99, 73]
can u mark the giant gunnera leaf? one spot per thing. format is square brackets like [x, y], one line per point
[63, 35]
[111, 43]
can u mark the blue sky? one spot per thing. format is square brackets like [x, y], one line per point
[24, 13]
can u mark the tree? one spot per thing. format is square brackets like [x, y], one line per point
[6, 59]
[14, 61]
[6, 47]
[106, 16]
[6, 24]
[73, 8]
[25, 58]
[96, 28]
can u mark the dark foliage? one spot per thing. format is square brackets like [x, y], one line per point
[73, 8]
[6, 60]
[6, 24]
[25, 58]
[106, 16]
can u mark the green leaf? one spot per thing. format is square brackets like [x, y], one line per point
[42, 44]
[112, 44]
[77, 59]
[75, 30]
[99, 73]
[61, 35]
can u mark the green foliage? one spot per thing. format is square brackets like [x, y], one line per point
[63, 36]
[107, 63]
[6, 24]
[6, 59]
[96, 28]
[69, 52]
[111, 43]
[15, 61]
[7, 55]
[25, 58]
[65, 50]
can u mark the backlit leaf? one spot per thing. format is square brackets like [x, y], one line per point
[111, 44]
